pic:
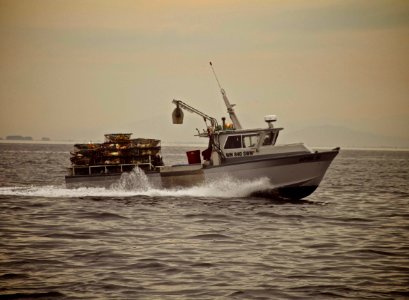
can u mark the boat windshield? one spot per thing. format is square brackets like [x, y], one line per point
[269, 138]
[241, 141]
[250, 140]
[233, 142]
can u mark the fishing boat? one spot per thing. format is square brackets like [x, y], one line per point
[294, 171]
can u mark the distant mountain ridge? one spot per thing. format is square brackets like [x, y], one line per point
[332, 136]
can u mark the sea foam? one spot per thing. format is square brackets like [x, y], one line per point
[137, 184]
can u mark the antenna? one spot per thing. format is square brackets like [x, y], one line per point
[215, 76]
[230, 110]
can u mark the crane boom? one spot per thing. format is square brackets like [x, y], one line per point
[181, 104]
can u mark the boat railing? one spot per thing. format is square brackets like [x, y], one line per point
[107, 169]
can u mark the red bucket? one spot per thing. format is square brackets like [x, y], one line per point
[193, 157]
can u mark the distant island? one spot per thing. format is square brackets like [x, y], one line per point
[19, 138]
[45, 139]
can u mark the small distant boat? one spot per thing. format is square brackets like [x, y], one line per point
[293, 170]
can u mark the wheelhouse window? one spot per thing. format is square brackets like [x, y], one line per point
[250, 140]
[269, 139]
[233, 142]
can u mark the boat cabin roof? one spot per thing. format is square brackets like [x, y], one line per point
[248, 131]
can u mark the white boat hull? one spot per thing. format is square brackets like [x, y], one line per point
[295, 176]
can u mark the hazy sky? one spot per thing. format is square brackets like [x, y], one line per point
[79, 69]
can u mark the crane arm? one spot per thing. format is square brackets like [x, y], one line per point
[191, 109]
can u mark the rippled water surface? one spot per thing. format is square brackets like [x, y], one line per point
[350, 239]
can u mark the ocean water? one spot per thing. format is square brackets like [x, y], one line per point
[348, 240]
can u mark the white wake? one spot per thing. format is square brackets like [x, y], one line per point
[136, 183]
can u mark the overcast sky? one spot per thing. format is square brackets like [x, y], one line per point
[79, 69]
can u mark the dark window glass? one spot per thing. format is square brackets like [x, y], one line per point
[268, 139]
[233, 142]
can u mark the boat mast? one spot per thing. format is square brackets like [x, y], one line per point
[230, 110]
